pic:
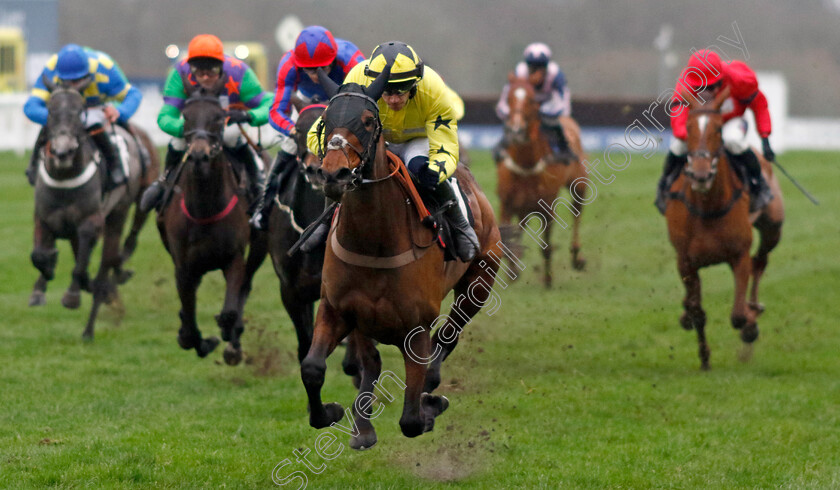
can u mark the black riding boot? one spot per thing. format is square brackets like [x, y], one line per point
[498, 151]
[32, 170]
[256, 176]
[153, 196]
[563, 152]
[466, 241]
[760, 193]
[116, 176]
[260, 218]
[672, 167]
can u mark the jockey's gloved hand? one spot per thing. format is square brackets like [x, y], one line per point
[425, 176]
[769, 155]
[236, 116]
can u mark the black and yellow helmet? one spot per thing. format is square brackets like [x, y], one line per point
[406, 65]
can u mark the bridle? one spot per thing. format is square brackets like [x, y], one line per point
[703, 154]
[213, 138]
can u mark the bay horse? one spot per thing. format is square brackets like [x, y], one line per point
[299, 274]
[206, 226]
[528, 174]
[384, 277]
[709, 222]
[70, 203]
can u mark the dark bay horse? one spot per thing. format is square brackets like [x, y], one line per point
[206, 227]
[300, 274]
[70, 204]
[384, 278]
[709, 223]
[528, 174]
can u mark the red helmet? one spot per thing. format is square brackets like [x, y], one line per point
[704, 68]
[315, 46]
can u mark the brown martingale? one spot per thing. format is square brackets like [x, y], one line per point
[709, 223]
[528, 174]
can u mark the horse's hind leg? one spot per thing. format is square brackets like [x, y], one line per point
[86, 236]
[770, 233]
[104, 289]
[230, 319]
[371, 365]
[330, 328]
[547, 251]
[578, 262]
[694, 317]
[471, 294]
[189, 337]
[44, 257]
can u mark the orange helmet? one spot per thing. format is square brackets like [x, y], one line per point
[704, 68]
[206, 46]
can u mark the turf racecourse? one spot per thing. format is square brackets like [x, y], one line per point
[591, 384]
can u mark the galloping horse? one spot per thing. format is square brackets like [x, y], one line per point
[206, 226]
[709, 223]
[300, 274]
[384, 277]
[69, 203]
[528, 174]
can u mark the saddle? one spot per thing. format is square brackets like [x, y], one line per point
[431, 211]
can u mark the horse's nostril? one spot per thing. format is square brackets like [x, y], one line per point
[343, 174]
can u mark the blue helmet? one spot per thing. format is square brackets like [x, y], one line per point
[72, 63]
[537, 54]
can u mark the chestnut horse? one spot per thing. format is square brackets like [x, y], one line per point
[528, 174]
[709, 223]
[300, 274]
[384, 277]
[206, 226]
[70, 204]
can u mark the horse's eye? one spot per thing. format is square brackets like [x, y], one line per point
[369, 122]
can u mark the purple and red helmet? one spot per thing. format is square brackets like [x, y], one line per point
[315, 46]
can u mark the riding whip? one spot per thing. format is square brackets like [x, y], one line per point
[797, 184]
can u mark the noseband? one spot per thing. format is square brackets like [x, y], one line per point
[213, 138]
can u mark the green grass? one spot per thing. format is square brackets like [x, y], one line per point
[591, 384]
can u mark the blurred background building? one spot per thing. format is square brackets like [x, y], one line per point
[610, 50]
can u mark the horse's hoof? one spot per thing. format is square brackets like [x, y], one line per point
[363, 441]
[749, 333]
[207, 346]
[232, 355]
[186, 342]
[71, 300]
[38, 298]
[433, 405]
[579, 264]
[758, 308]
[335, 412]
[124, 276]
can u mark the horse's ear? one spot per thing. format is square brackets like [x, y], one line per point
[48, 83]
[85, 85]
[375, 89]
[297, 103]
[721, 97]
[330, 87]
[189, 88]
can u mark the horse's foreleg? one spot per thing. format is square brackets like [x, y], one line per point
[419, 409]
[86, 236]
[694, 317]
[330, 328]
[301, 313]
[368, 358]
[230, 319]
[743, 319]
[547, 254]
[770, 233]
[44, 257]
[578, 262]
[189, 337]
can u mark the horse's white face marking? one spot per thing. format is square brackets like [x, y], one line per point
[337, 142]
[520, 93]
[702, 121]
